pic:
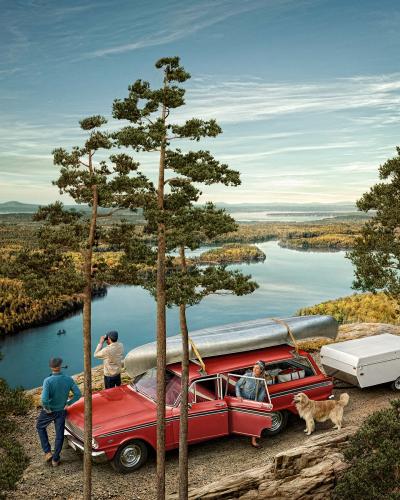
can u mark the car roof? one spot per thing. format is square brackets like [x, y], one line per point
[235, 361]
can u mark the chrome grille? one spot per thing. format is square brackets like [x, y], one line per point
[74, 429]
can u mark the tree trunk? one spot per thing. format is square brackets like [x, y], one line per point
[183, 421]
[87, 351]
[161, 326]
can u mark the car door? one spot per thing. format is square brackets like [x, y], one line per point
[207, 413]
[247, 417]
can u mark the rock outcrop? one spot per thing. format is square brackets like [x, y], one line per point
[308, 471]
[357, 330]
[350, 331]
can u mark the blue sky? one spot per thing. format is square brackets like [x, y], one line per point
[306, 91]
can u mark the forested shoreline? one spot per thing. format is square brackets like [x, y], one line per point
[19, 312]
[19, 229]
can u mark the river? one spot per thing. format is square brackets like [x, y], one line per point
[288, 280]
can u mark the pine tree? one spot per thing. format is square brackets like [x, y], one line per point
[194, 225]
[376, 253]
[50, 270]
[149, 130]
[188, 226]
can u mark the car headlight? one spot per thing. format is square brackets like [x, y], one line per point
[95, 444]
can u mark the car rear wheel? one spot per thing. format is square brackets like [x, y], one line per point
[396, 384]
[279, 421]
[130, 456]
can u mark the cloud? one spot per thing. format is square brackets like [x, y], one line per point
[288, 140]
[236, 101]
[289, 149]
[191, 19]
[74, 9]
[10, 71]
[356, 167]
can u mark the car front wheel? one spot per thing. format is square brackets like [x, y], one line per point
[279, 421]
[396, 384]
[130, 456]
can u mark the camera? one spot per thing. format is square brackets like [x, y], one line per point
[105, 338]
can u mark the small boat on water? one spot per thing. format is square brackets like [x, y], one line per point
[61, 332]
[234, 337]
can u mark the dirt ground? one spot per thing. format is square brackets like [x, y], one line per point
[208, 461]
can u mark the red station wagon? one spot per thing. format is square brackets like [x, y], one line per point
[124, 418]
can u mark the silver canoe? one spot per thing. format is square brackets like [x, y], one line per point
[233, 337]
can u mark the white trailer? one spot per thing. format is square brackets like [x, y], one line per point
[364, 362]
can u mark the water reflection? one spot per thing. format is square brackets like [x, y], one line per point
[288, 280]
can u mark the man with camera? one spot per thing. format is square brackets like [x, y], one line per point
[111, 355]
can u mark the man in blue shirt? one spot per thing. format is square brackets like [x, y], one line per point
[55, 401]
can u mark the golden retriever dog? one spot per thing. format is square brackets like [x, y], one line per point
[320, 411]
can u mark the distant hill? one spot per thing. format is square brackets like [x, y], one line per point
[18, 207]
[288, 207]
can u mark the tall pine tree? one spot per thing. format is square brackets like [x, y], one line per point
[50, 269]
[193, 226]
[150, 129]
[176, 222]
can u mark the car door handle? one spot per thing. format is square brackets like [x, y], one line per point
[220, 405]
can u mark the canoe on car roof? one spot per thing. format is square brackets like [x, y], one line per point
[232, 338]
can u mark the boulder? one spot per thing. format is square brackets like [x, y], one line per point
[307, 471]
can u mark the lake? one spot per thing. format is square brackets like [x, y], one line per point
[288, 280]
[279, 217]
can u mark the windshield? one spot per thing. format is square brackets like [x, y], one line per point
[146, 384]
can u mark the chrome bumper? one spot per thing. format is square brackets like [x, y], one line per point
[74, 443]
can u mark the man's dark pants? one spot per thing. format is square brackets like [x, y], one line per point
[113, 381]
[43, 421]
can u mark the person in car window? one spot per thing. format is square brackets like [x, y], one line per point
[251, 388]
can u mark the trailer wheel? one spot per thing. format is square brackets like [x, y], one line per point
[130, 456]
[279, 422]
[396, 384]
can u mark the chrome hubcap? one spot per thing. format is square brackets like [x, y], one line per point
[276, 421]
[131, 455]
[397, 384]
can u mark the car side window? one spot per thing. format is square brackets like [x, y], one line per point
[288, 370]
[229, 382]
[203, 390]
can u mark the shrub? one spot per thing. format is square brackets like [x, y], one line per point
[374, 457]
[359, 307]
[13, 458]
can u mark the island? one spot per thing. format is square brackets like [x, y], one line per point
[233, 253]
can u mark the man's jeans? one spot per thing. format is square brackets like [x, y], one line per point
[43, 421]
[113, 381]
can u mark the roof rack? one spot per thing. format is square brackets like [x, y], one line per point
[290, 333]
